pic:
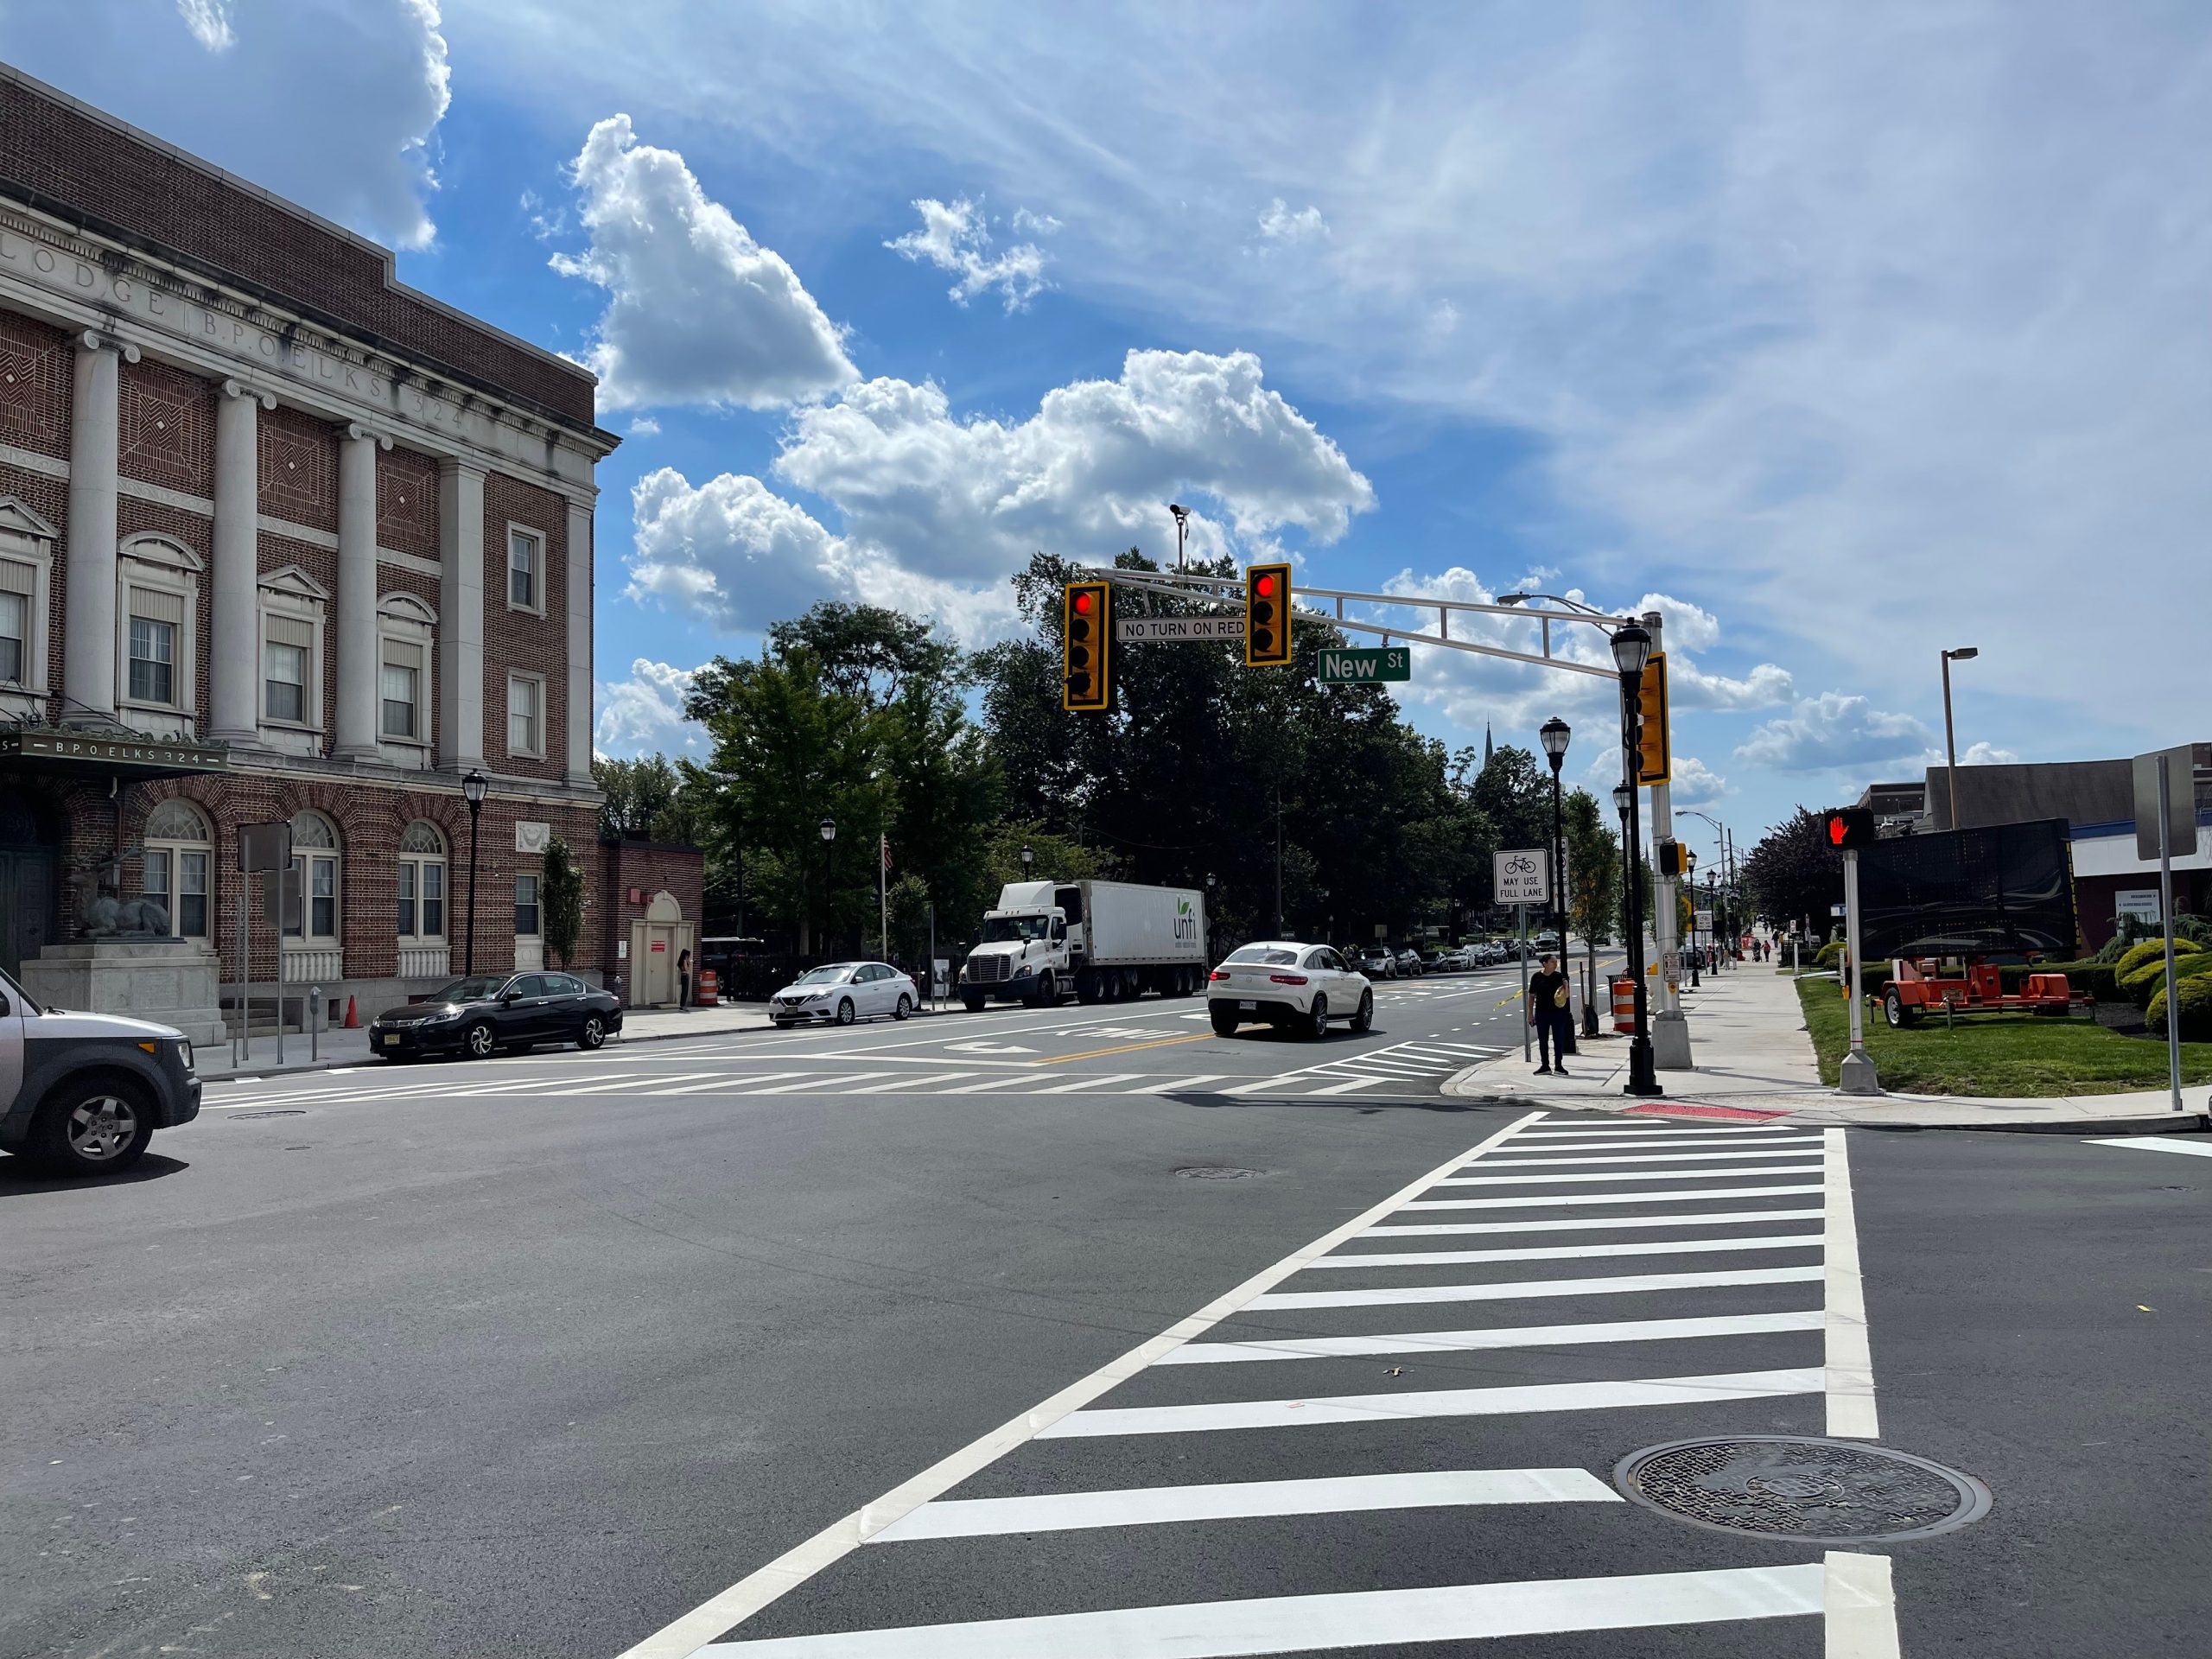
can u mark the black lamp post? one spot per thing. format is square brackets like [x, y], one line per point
[1181, 527]
[1027, 858]
[1631, 651]
[1554, 734]
[472, 791]
[829, 828]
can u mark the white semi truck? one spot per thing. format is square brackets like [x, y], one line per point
[1104, 941]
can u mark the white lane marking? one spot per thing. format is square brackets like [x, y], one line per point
[1359, 1618]
[1539, 1289]
[1629, 1159]
[1346, 1088]
[1652, 1126]
[726, 1082]
[1087, 1084]
[909, 1083]
[1571, 1252]
[533, 1085]
[1681, 1196]
[598, 1087]
[1266, 1084]
[1850, 1360]
[2155, 1143]
[1524, 1336]
[1023, 1076]
[1860, 1606]
[1619, 1141]
[1811, 1168]
[685, 1634]
[1156, 1505]
[1433, 1402]
[1589, 1223]
[1169, 1085]
[814, 1082]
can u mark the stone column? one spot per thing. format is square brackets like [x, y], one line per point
[234, 654]
[359, 673]
[579, 709]
[461, 616]
[89, 595]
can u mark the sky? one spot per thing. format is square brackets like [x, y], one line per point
[1838, 334]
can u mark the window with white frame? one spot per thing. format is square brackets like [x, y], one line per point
[291, 606]
[160, 587]
[402, 690]
[175, 865]
[526, 907]
[421, 883]
[26, 574]
[525, 570]
[526, 715]
[315, 854]
[404, 629]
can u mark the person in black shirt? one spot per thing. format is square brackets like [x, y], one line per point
[1549, 1014]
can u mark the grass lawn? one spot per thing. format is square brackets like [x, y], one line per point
[1995, 1053]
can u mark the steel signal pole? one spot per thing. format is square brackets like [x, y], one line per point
[2166, 915]
[1856, 1075]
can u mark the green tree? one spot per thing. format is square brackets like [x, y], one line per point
[562, 891]
[647, 795]
[1593, 874]
[1793, 873]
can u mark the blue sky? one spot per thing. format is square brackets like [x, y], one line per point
[1842, 332]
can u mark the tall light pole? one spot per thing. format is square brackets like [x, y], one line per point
[1631, 651]
[1554, 733]
[1027, 858]
[472, 791]
[829, 829]
[1181, 515]
[1964, 654]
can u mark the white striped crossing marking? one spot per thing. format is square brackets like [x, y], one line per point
[813, 1081]
[1570, 1252]
[1812, 1168]
[1588, 1223]
[1616, 1142]
[1170, 1085]
[730, 1080]
[1648, 1126]
[1082, 1085]
[2155, 1143]
[1158, 1505]
[1263, 1084]
[1683, 1195]
[1627, 1159]
[1525, 1336]
[601, 1086]
[1538, 1289]
[530, 1085]
[1359, 1618]
[992, 1082]
[902, 1085]
[1432, 1403]
[1850, 1374]
[1346, 1088]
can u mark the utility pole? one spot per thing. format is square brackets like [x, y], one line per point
[1670, 1032]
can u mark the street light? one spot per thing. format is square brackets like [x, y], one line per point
[1554, 734]
[472, 791]
[1027, 857]
[1181, 514]
[1631, 651]
[829, 829]
[1964, 654]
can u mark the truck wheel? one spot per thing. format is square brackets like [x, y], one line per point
[1224, 1022]
[973, 1004]
[1048, 992]
[1086, 987]
[92, 1128]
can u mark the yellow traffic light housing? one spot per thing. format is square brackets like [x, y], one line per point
[1267, 615]
[1086, 645]
[1653, 760]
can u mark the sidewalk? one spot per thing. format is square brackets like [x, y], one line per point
[349, 1048]
[1747, 1034]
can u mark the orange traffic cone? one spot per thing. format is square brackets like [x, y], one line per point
[352, 1016]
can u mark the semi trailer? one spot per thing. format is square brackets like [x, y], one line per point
[1099, 941]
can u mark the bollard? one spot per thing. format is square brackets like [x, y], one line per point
[314, 1023]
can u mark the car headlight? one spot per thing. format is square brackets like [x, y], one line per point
[184, 1054]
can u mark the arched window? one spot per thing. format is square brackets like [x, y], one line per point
[179, 853]
[422, 884]
[315, 854]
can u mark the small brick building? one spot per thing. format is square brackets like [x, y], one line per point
[281, 540]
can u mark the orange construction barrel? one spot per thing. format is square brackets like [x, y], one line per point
[704, 991]
[1623, 1005]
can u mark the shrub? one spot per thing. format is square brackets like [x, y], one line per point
[1829, 956]
[2143, 969]
[2146, 982]
[2195, 929]
[2149, 950]
[2195, 1000]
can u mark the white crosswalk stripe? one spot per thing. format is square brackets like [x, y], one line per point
[1527, 1335]
[1568, 1252]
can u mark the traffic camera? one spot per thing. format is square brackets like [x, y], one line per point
[1267, 615]
[1086, 644]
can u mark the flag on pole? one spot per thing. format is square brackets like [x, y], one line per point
[884, 842]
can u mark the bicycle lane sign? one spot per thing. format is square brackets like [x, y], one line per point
[1518, 877]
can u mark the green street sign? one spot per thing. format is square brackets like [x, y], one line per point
[1362, 667]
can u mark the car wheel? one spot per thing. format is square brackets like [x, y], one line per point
[845, 1011]
[480, 1039]
[905, 1007]
[93, 1128]
[1364, 1020]
[592, 1033]
[1317, 1020]
[1224, 1022]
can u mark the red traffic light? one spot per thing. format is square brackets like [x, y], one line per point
[1083, 604]
[1264, 587]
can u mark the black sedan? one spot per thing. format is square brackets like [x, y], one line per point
[488, 1012]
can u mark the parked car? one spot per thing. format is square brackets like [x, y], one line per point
[1409, 964]
[1377, 963]
[838, 993]
[89, 1089]
[484, 1013]
[1284, 983]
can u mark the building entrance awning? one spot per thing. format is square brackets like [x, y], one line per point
[68, 751]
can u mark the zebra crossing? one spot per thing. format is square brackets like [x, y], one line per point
[1149, 1512]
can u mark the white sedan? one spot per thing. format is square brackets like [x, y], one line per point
[1280, 983]
[838, 993]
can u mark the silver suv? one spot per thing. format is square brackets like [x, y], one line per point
[81, 1094]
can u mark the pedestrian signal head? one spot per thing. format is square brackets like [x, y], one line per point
[1086, 646]
[1670, 858]
[1267, 615]
[1850, 828]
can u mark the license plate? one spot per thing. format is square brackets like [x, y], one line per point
[392, 1042]
[1247, 1007]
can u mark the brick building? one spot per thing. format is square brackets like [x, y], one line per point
[280, 539]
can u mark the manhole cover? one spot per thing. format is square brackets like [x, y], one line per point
[1215, 1172]
[1783, 1486]
[293, 1112]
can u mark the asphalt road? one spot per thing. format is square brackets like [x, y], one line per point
[545, 1355]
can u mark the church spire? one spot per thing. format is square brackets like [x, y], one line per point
[1488, 748]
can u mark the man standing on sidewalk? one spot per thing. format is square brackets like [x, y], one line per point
[1549, 1014]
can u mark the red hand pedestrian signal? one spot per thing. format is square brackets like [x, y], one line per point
[1851, 827]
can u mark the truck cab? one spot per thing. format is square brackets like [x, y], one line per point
[1024, 953]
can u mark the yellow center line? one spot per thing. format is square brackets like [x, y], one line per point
[1125, 1048]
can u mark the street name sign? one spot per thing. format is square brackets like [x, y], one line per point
[1517, 877]
[1138, 630]
[1365, 667]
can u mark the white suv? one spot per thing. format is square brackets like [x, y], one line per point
[1280, 983]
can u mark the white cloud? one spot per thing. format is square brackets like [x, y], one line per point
[732, 548]
[645, 712]
[209, 21]
[644, 426]
[333, 105]
[697, 311]
[955, 236]
[1695, 784]
[1833, 729]
[1026, 223]
[1989, 754]
[1278, 224]
[545, 222]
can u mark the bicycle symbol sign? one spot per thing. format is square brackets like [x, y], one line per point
[1519, 877]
